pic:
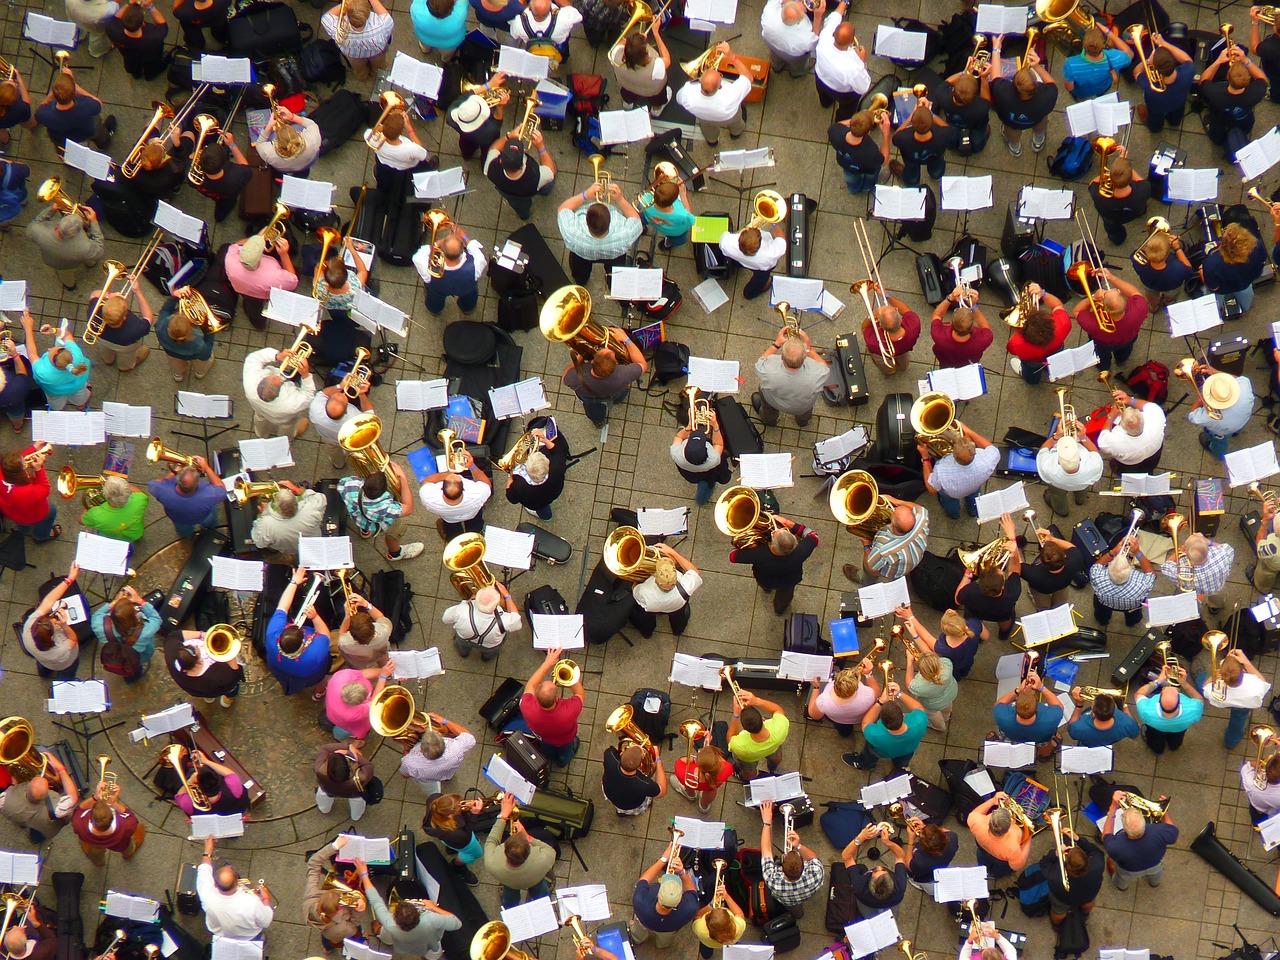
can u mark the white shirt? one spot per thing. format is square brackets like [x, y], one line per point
[326, 427]
[240, 915]
[274, 532]
[469, 622]
[474, 496]
[568, 18]
[1116, 442]
[721, 107]
[677, 454]
[653, 599]
[1006, 949]
[841, 70]
[766, 258]
[1051, 471]
[786, 40]
[422, 260]
[301, 160]
[1249, 695]
[404, 155]
[294, 398]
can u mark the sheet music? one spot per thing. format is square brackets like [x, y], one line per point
[831, 306]
[711, 295]
[1189, 317]
[784, 786]
[837, 448]
[884, 792]
[1038, 203]
[1145, 484]
[102, 554]
[993, 505]
[438, 184]
[314, 195]
[766, 471]
[712, 11]
[172, 220]
[961, 883]
[508, 548]
[416, 76]
[517, 399]
[228, 948]
[1078, 759]
[869, 936]
[368, 849]
[636, 283]
[130, 907]
[123, 420]
[417, 664]
[508, 779]
[165, 721]
[265, 453]
[96, 165]
[994, 20]
[745, 159]
[590, 901]
[803, 666]
[881, 599]
[1193, 184]
[19, 868]
[216, 825]
[696, 672]
[660, 522]
[959, 383]
[967, 193]
[747, 951]
[325, 553]
[78, 696]
[1178, 608]
[1064, 363]
[1266, 609]
[293, 309]
[1008, 756]
[802, 293]
[422, 394]
[713, 376]
[1270, 830]
[628, 126]
[515, 62]
[204, 406]
[1097, 116]
[899, 44]
[220, 71]
[245, 576]
[1252, 463]
[1121, 953]
[1259, 155]
[1046, 625]
[701, 834]
[529, 920]
[355, 950]
[69, 428]
[899, 203]
[551, 630]
[979, 780]
[13, 293]
[56, 33]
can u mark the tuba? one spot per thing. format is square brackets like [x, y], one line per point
[18, 751]
[132, 164]
[393, 715]
[620, 724]
[204, 124]
[463, 557]
[358, 439]
[628, 556]
[273, 232]
[738, 515]
[933, 417]
[223, 642]
[767, 208]
[991, 556]
[437, 220]
[664, 171]
[389, 100]
[493, 942]
[51, 192]
[175, 756]
[566, 318]
[1063, 15]
[157, 453]
[856, 502]
[70, 482]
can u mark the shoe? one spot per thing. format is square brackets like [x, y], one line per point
[465, 873]
[109, 361]
[1015, 149]
[681, 789]
[110, 123]
[226, 702]
[853, 760]
[407, 552]
[179, 377]
[664, 244]
[143, 353]
[1015, 365]
[851, 572]
[1004, 634]
[1037, 141]
[704, 809]
[1249, 571]
[896, 167]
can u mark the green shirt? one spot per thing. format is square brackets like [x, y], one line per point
[742, 746]
[119, 523]
[676, 223]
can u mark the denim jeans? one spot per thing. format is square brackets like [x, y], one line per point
[860, 182]
[868, 758]
[1243, 297]
[1107, 354]
[560, 756]
[436, 302]
[1237, 723]
[41, 531]
[952, 506]
[1033, 371]
[996, 868]
[936, 167]
[1216, 445]
[758, 284]
[208, 523]
[1103, 614]
[511, 895]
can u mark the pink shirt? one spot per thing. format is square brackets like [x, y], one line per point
[259, 283]
[852, 710]
[355, 719]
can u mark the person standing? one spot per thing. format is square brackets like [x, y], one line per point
[1125, 308]
[1231, 102]
[123, 515]
[1241, 688]
[187, 347]
[341, 770]
[464, 263]
[226, 172]
[141, 41]
[297, 655]
[702, 778]
[130, 621]
[38, 808]
[778, 563]
[698, 453]
[1118, 586]
[965, 101]
[1177, 74]
[789, 35]
[518, 181]
[289, 143]
[399, 151]
[1134, 435]
[1138, 849]
[1231, 397]
[1085, 867]
[321, 907]
[1023, 717]
[47, 635]
[1264, 797]
[1060, 565]
[857, 155]
[70, 112]
[959, 476]
[1100, 724]
[641, 69]
[992, 593]
[25, 494]
[280, 403]
[840, 64]
[879, 888]
[551, 718]
[1068, 465]
[892, 729]
[930, 681]
[667, 590]
[537, 483]
[194, 15]
[1168, 708]
[964, 338]
[457, 500]
[414, 928]
[68, 243]
[607, 379]
[929, 847]
[757, 251]
[1162, 267]
[376, 509]
[292, 513]
[363, 34]
[958, 639]
[191, 496]
[349, 697]
[103, 824]
[846, 698]
[922, 140]
[669, 214]
[1203, 563]
[899, 331]
[1042, 334]
[754, 737]
[626, 785]
[331, 410]
[800, 874]
[791, 376]
[231, 910]
[604, 232]
[1004, 847]
[1023, 102]
[483, 621]
[521, 863]
[717, 105]
[1096, 68]
[253, 275]
[897, 547]
[665, 900]
[1234, 265]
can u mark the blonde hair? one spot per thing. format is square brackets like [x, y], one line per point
[955, 625]
[930, 666]
[288, 141]
[846, 683]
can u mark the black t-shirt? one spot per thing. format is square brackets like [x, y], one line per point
[537, 496]
[457, 838]
[138, 52]
[525, 185]
[16, 386]
[216, 12]
[133, 329]
[993, 609]
[623, 791]
[921, 866]
[1123, 209]
[916, 151]
[864, 157]
[860, 879]
[1233, 109]
[235, 177]
[1269, 57]
[160, 182]
[972, 116]
[1083, 889]
[15, 113]
[1023, 114]
[773, 571]
[1039, 578]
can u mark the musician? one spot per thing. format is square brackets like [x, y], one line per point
[1231, 101]
[800, 874]
[456, 500]
[1264, 573]
[699, 457]
[221, 786]
[364, 638]
[896, 547]
[1100, 725]
[899, 324]
[669, 214]
[1068, 465]
[1023, 717]
[840, 64]
[70, 112]
[551, 718]
[1043, 334]
[362, 30]
[1246, 690]
[965, 102]
[1023, 102]
[757, 251]
[279, 404]
[544, 28]
[668, 590]
[322, 909]
[522, 864]
[626, 786]
[753, 736]
[929, 847]
[1167, 709]
[992, 595]
[289, 143]
[24, 495]
[603, 232]
[641, 69]
[791, 376]
[253, 275]
[336, 286]
[931, 682]
[331, 410]
[226, 172]
[438, 754]
[1086, 867]
[464, 264]
[790, 37]
[107, 824]
[1210, 565]
[1059, 565]
[603, 19]
[34, 937]
[15, 108]
[196, 673]
[958, 639]
[187, 347]
[845, 699]
[702, 778]
[959, 475]
[879, 888]
[778, 565]
[1134, 435]
[1176, 69]
[67, 244]
[1231, 268]
[440, 26]
[229, 909]
[892, 729]
[665, 899]
[191, 497]
[1127, 203]
[856, 153]
[13, 188]
[130, 620]
[298, 656]
[1117, 585]
[973, 949]
[89, 16]
[141, 42]
[496, 14]
[477, 123]
[414, 928]
[517, 180]
[483, 621]
[1003, 846]
[1230, 396]
[605, 381]
[719, 926]
[349, 695]
[376, 509]
[1264, 801]
[1138, 850]
[452, 820]
[538, 482]
[965, 337]
[62, 372]
[42, 811]
[922, 140]
[124, 514]
[716, 105]
[401, 152]
[1165, 271]
[341, 770]
[1096, 68]
[292, 513]
[194, 15]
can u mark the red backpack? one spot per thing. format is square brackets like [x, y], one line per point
[1150, 382]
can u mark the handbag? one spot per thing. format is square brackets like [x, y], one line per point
[373, 792]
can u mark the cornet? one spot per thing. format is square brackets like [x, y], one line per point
[726, 672]
[787, 810]
[359, 375]
[297, 353]
[979, 60]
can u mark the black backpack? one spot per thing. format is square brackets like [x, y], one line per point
[1073, 936]
[322, 62]
[842, 902]
[121, 659]
[1074, 157]
[935, 580]
[339, 118]
[266, 30]
[653, 723]
[670, 362]
[391, 593]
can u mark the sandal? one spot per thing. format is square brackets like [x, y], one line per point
[54, 534]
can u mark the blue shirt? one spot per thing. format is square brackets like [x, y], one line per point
[1172, 277]
[644, 901]
[891, 745]
[1233, 418]
[1190, 710]
[1174, 96]
[198, 346]
[313, 662]
[499, 20]
[144, 645]
[1144, 852]
[1090, 78]
[1039, 730]
[1087, 735]
[442, 33]
[678, 221]
[1223, 277]
[187, 509]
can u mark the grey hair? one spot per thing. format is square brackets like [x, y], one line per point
[1120, 569]
[354, 693]
[1135, 824]
[793, 353]
[116, 491]
[285, 503]
[1197, 547]
[269, 388]
[487, 599]
[432, 745]
[1000, 822]
[1132, 421]
[783, 542]
[538, 467]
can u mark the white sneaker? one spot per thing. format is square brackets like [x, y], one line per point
[407, 552]
[1015, 365]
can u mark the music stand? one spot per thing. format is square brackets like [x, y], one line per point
[79, 728]
[205, 436]
[886, 217]
[743, 161]
[967, 197]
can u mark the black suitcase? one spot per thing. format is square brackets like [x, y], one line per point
[546, 545]
[187, 899]
[707, 257]
[1089, 539]
[391, 593]
[190, 583]
[518, 750]
[545, 599]
[1228, 355]
[518, 310]
[503, 704]
[565, 815]
[738, 430]
[340, 118]
[895, 437]
[605, 605]
[783, 932]
[800, 216]
[240, 516]
[402, 233]
[266, 30]
[929, 273]
[848, 367]
[1129, 668]
[802, 633]
[1018, 235]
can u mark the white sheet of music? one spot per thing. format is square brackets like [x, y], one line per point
[517, 399]
[56, 33]
[967, 193]
[837, 448]
[713, 376]
[69, 428]
[1176, 608]
[884, 792]
[630, 126]
[991, 506]
[1193, 184]
[1270, 831]
[229, 948]
[508, 548]
[766, 471]
[1078, 759]
[243, 575]
[590, 901]
[129, 907]
[265, 453]
[1039, 203]
[1122, 953]
[869, 936]
[378, 314]
[293, 309]
[529, 920]
[1008, 756]
[422, 394]
[1189, 317]
[325, 553]
[959, 383]
[78, 696]
[438, 184]
[1065, 363]
[1045, 625]
[658, 521]
[830, 306]
[994, 20]
[710, 295]
[168, 720]
[961, 883]
[96, 165]
[417, 664]
[416, 76]
[899, 203]
[1259, 155]
[881, 599]
[551, 630]
[784, 786]
[696, 672]
[803, 666]
[802, 293]
[102, 554]
[368, 849]
[508, 778]
[515, 62]
[123, 420]
[899, 43]
[1145, 484]
[172, 220]
[746, 951]
[713, 11]
[13, 293]
[1252, 463]
[216, 825]
[204, 406]
[221, 70]
[19, 868]
[745, 159]
[355, 950]
[700, 834]
[636, 283]
[314, 195]
[979, 780]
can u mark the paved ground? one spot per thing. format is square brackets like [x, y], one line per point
[1193, 908]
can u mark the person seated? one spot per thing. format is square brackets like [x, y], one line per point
[220, 789]
[289, 143]
[929, 847]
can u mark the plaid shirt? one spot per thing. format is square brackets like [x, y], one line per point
[371, 516]
[792, 893]
[960, 480]
[1121, 596]
[893, 555]
[1210, 576]
[623, 232]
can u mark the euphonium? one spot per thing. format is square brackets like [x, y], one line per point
[708, 60]
[1016, 316]
[132, 164]
[878, 107]
[96, 323]
[245, 490]
[767, 208]
[1153, 810]
[18, 751]
[272, 232]
[1263, 734]
[855, 501]
[205, 124]
[348, 896]
[933, 417]
[223, 642]
[359, 375]
[463, 557]
[1156, 81]
[993, 555]
[51, 192]
[328, 236]
[621, 725]
[566, 318]
[531, 123]
[358, 439]
[453, 449]
[602, 178]
[628, 556]
[175, 756]
[389, 100]
[1215, 641]
[157, 453]
[526, 444]
[738, 515]
[437, 220]
[565, 673]
[493, 942]
[392, 715]
[1104, 147]
[69, 482]
[699, 410]
[1267, 15]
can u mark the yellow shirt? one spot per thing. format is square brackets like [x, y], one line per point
[700, 931]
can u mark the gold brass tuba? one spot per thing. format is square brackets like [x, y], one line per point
[933, 417]
[767, 208]
[1064, 14]
[437, 220]
[738, 515]
[358, 439]
[18, 751]
[204, 124]
[463, 557]
[620, 724]
[526, 444]
[175, 756]
[855, 501]
[223, 642]
[566, 318]
[389, 100]
[51, 192]
[493, 942]
[70, 482]
[157, 453]
[393, 715]
[628, 555]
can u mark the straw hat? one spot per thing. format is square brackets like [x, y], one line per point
[1221, 391]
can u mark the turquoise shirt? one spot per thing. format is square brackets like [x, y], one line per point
[61, 383]
[441, 33]
[674, 224]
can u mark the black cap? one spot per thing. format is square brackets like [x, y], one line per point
[512, 157]
[695, 448]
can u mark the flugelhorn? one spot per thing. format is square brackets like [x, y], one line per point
[389, 100]
[1016, 316]
[51, 192]
[531, 123]
[603, 180]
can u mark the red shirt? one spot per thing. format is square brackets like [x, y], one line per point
[118, 839]
[901, 345]
[1127, 327]
[1019, 347]
[557, 727]
[26, 503]
[958, 353]
[682, 763]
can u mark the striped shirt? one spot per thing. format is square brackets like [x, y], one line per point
[792, 893]
[892, 554]
[1121, 596]
[365, 43]
[960, 480]
[623, 232]
[1210, 576]
[370, 516]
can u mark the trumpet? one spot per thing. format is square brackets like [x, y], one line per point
[886, 667]
[767, 208]
[51, 192]
[674, 847]
[700, 415]
[205, 125]
[1269, 204]
[878, 646]
[437, 220]
[1216, 642]
[717, 898]
[1066, 414]
[787, 810]
[984, 940]
[455, 449]
[269, 91]
[389, 100]
[1263, 735]
[1033, 532]
[602, 178]
[573, 923]
[1136, 33]
[531, 123]
[1104, 378]
[1186, 370]
[9, 70]
[1031, 35]
[35, 459]
[132, 164]
[726, 672]
[349, 601]
[108, 787]
[872, 296]
[1157, 225]
[566, 673]
[110, 953]
[1231, 48]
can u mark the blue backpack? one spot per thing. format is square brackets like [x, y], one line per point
[1074, 157]
[1033, 891]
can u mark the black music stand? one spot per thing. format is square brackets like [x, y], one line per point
[204, 436]
[893, 239]
[79, 728]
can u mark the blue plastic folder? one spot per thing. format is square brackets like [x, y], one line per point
[844, 637]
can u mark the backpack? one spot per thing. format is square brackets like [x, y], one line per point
[539, 42]
[670, 362]
[321, 62]
[843, 821]
[842, 902]
[339, 118]
[653, 723]
[265, 30]
[935, 580]
[1074, 157]
[1150, 382]
[921, 231]
[120, 658]
[391, 593]
[1073, 936]
[589, 98]
[1033, 891]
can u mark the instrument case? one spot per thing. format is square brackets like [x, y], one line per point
[567, 816]
[187, 899]
[1128, 669]
[738, 430]
[1210, 849]
[517, 749]
[1089, 539]
[503, 704]
[801, 212]
[192, 579]
[240, 516]
[546, 545]
[929, 273]
[849, 371]
[895, 436]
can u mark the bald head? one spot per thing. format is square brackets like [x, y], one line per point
[337, 405]
[15, 943]
[541, 9]
[904, 518]
[844, 36]
[37, 790]
[792, 13]
[226, 879]
[710, 82]
[1169, 699]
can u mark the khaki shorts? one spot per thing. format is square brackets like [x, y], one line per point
[398, 529]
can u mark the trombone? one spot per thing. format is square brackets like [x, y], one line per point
[1091, 267]
[132, 164]
[1136, 33]
[1186, 370]
[96, 323]
[873, 298]
[389, 100]
[1054, 816]
[1031, 35]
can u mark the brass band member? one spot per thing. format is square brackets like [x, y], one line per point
[1231, 101]
[896, 547]
[1167, 707]
[289, 143]
[791, 376]
[364, 638]
[375, 509]
[15, 107]
[196, 673]
[415, 927]
[518, 177]
[901, 325]
[279, 404]
[349, 695]
[1210, 566]
[753, 736]
[551, 717]
[717, 105]
[321, 908]
[465, 262]
[846, 698]
[959, 475]
[670, 214]
[1264, 573]
[483, 621]
[452, 820]
[607, 379]
[521, 863]
[226, 172]
[922, 140]
[778, 565]
[1264, 801]
[891, 729]
[702, 778]
[1177, 73]
[1096, 68]
[544, 29]
[857, 155]
[104, 824]
[756, 250]
[1004, 847]
[665, 900]
[1104, 723]
[929, 847]
[124, 329]
[298, 657]
[194, 15]
[640, 67]
[800, 874]
[1138, 849]
[438, 755]
[718, 926]
[66, 243]
[1068, 465]
[1122, 578]
[253, 274]
[24, 494]
[993, 594]
[789, 35]
[123, 515]
[673, 582]
[37, 807]
[626, 785]
[363, 34]
[1231, 268]
[457, 498]
[229, 909]
[292, 513]
[1044, 333]
[876, 888]
[1232, 397]
[70, 112]
[1127, 203]
[1267, 50]
[400, 153]
[598, 229]
[62, 371]
[965, 337]
[538, 482]
[1024, 102]
[35, 936]
[699, 456]
[130, 621]
[840, 64]
[138, 31]
[187, 347]
[342, 770]
[1023, 717]
[958, 639]
[1060, 564]
[331, 409]
[965, 101]
[1134, 435]
[221, 786]
[1245, 690]
[1086, 867]
[1165, 271]
[479, 124]
[338, 337]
